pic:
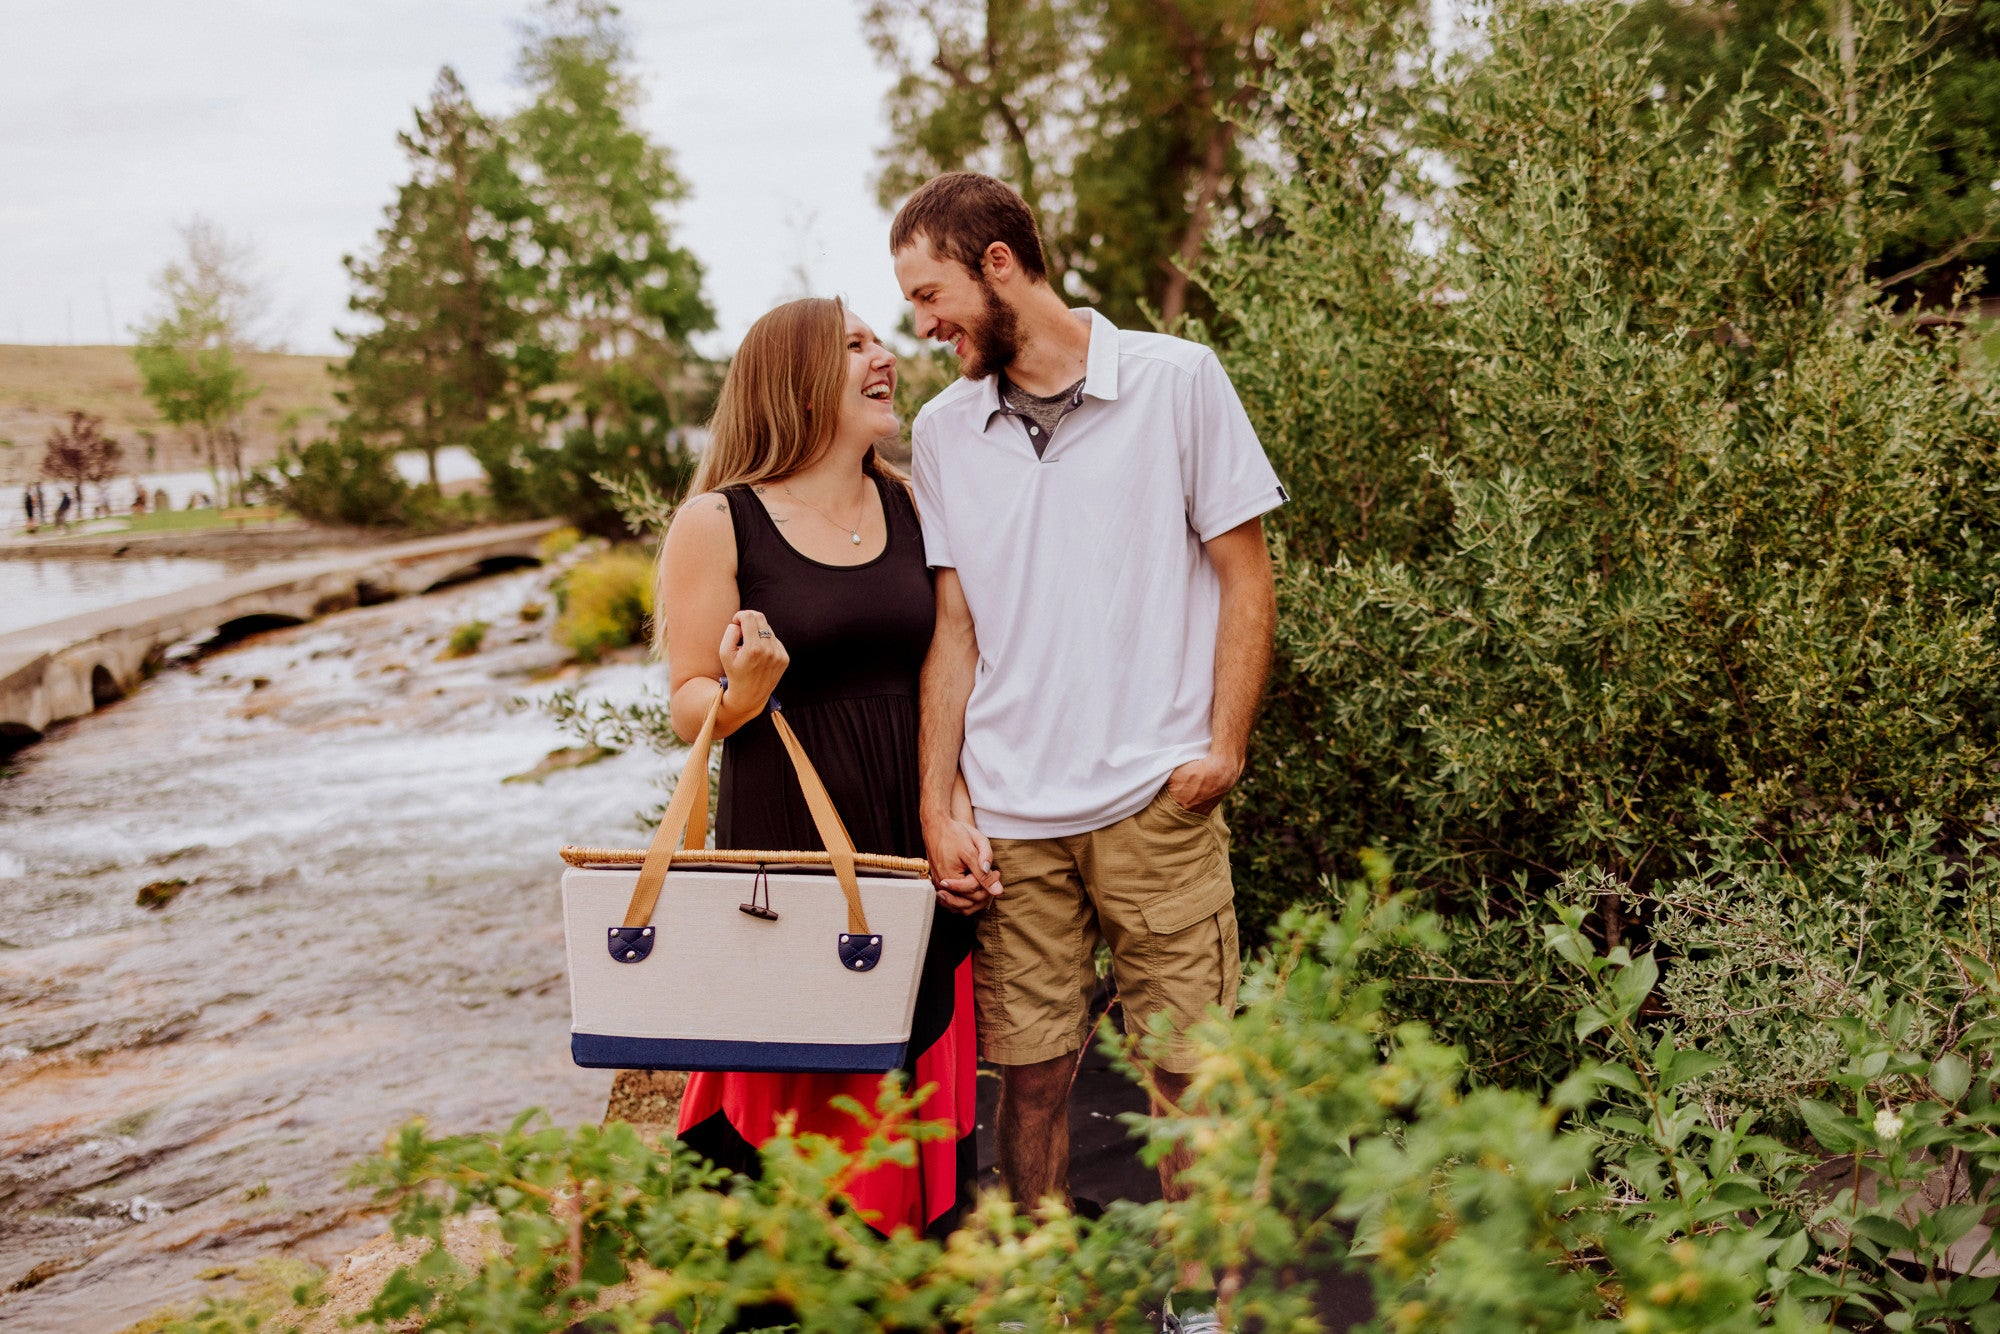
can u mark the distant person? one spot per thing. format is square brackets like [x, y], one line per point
[62, 511]
[138, 499]
[1092, 500]
[797, 568]
[162, 502]
[28, 505]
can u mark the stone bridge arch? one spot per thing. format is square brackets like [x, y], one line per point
[68, 668]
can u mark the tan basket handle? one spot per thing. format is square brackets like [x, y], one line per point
[686, 823]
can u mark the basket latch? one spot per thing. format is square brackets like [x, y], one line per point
[630, 944]
[859, 953]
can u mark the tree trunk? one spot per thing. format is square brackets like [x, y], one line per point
[1214, 162]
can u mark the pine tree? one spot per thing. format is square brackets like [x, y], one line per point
[618, 299]
[443, 290]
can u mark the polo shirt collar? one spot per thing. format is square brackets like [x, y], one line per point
[1100, 368]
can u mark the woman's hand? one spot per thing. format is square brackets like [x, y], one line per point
[753, 658]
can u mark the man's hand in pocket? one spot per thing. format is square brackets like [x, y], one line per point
[1199, 785]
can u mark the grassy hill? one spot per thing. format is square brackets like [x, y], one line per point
[40, 385]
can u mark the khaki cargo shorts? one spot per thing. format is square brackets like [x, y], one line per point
[1155, 887]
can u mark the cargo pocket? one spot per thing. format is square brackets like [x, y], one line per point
[1172, 912]
[1188, 858]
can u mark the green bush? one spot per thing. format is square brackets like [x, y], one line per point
[1326, 1137]
[465, 639]
[1628, 524]
[577, 480]
[339, 480]
[606, 602]
[346, 480]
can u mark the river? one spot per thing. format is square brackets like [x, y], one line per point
[48, 588]
[368, 932]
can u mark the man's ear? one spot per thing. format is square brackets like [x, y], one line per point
[998, 259]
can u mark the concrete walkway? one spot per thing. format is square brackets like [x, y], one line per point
[67, 668]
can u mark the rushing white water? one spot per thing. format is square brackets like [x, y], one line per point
[369, 932]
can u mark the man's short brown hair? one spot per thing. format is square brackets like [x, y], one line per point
[963, 212]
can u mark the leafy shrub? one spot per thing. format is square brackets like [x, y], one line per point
[606, 602]
[557, 542]
[263, 1293]
[572, 480]
[1627, 522]
[465, 639]
[338, 480]
[1325, 1137]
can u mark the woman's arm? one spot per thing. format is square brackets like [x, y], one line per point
[709, 634]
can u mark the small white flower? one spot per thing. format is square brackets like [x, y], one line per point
[1888, 1124]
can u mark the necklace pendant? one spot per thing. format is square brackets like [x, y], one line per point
[856, 537]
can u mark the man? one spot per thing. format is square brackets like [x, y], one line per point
[1092, 502]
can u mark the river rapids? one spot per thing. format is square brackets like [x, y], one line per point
[366, 930]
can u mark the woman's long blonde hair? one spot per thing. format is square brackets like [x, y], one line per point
[777, 412]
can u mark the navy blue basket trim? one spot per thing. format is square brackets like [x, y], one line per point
[860, 953]
[629, 944]
[599, 1051]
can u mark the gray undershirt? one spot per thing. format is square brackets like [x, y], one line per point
[1040, 414]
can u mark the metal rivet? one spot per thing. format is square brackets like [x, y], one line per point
[647, 932]
[631, 954]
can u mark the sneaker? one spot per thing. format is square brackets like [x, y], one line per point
[1199, 1318]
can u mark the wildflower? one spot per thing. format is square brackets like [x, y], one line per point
[1888, 1124]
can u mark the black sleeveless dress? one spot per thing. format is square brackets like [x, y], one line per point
[857, 636]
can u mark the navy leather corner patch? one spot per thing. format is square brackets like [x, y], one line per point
[859, 953]
[630, 944]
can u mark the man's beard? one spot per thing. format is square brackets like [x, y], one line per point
[995, 341]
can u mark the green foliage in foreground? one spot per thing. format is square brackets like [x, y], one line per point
[1326, 1137]
[1633, 535]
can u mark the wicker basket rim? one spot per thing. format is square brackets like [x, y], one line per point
[581, 856]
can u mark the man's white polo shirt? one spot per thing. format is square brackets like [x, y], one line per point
[1093, 601]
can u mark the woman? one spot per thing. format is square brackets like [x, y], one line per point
[798, 569]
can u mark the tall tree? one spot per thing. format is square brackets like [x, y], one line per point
[188, 355]
[618, 299]
[444, 290]
[1952, 178]
[1117, 119]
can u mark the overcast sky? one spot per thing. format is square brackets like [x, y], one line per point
[277, 119]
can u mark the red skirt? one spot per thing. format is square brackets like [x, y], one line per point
[728, 1116]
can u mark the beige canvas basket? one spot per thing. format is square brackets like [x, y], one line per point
[683, 957]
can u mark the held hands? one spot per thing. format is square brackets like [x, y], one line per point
[753, 658]
[1200, 784]
[961, 865]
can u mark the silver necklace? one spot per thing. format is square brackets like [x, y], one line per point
[853, 530]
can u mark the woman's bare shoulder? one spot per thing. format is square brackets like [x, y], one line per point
[702, 526]
[702, 516]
